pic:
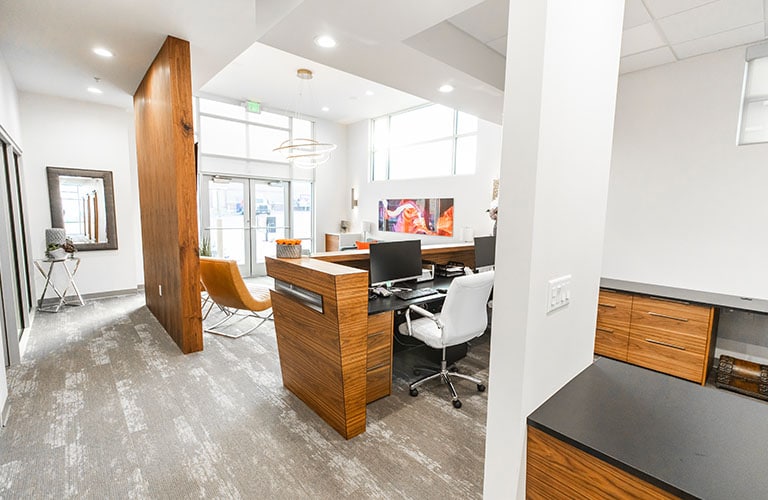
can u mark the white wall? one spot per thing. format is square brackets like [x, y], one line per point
[471, 193]
[66, 133]
[9, 103]
[562, 67]
[686, 205]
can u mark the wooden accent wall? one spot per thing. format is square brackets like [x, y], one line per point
[167, 193]
[556, 469]
[323, 355]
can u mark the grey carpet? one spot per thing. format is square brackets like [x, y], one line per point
[104, 405]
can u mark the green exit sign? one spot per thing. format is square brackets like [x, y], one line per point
[253, 106]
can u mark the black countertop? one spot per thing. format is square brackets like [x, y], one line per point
[392, 303]
[709, 298]
[694, 441]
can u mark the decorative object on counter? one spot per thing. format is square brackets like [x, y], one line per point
[58, 246]
[288, 249]
[742, 376]
[344, 225]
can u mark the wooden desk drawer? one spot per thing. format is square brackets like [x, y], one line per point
[664, 315]
[379, 357]
[611, 340]
[378, 384]
[615, 307]
[672, 358]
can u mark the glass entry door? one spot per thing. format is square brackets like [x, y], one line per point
[242, 219]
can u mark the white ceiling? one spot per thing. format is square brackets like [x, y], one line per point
[413, 47]
[664, 31]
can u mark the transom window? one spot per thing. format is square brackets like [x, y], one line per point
[428, 141]
[753, 127]
[231, 130]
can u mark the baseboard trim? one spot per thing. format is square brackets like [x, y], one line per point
[52, 301]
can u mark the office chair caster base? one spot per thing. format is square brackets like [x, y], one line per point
[457, 404]
[481, 387]
[414, 392]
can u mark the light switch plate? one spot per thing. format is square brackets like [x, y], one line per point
[558, 293]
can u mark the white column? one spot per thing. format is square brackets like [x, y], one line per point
[562, 70]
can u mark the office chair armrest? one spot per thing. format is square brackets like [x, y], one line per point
[421, 311]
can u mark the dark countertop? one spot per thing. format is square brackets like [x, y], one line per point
[694, 441]
[715, 299]
[383, 304]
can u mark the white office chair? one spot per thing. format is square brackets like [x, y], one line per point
[464, 316]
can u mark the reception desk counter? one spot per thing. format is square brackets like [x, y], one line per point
[335, 352]
[620, 431]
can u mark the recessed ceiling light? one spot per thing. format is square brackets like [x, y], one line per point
[325, 41]
[94, 90]
[369, 92]
[325, 108]
[446, 88]
[101, 51]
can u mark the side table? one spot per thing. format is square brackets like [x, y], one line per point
[47, 272]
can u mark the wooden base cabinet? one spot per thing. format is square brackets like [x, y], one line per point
[379, 356]
[612, 331]
[669, 336]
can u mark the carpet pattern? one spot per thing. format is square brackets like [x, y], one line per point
[104, 405]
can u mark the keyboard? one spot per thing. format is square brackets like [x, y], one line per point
[414, 294]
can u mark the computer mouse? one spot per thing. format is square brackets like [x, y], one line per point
[442, 290]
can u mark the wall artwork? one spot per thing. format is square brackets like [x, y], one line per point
[429, 216]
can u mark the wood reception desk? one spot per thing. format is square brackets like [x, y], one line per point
[334, 356]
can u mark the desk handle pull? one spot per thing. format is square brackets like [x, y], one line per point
[659, 315]
[658, 342]
[612, 306]
[606, 330]
[380, 365]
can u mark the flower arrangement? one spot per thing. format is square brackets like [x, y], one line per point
[58, 251]
[288, 248]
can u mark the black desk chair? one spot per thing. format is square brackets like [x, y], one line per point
[464, 316]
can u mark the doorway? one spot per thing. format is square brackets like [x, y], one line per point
[242, 217]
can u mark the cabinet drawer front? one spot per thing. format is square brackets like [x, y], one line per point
[669, 359]
[611, 340]
[614, 306]
[378, 384]
[681, 341]
[379, 340]
[378, 358]
[671, 316]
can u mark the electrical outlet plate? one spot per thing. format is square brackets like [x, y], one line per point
[558, 293]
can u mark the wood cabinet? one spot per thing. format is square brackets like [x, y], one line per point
[613, 318]
[379, 356]
[669, 336]
[337, 241]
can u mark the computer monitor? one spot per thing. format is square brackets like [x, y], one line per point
[395, 261]
[485, 251]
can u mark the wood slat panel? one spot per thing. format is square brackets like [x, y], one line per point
[167, 192]
[557, 470]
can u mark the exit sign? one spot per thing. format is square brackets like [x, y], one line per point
[253, 106]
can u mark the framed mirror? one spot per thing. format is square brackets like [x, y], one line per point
[83, 203]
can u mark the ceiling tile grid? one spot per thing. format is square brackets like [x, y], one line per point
[687, 28]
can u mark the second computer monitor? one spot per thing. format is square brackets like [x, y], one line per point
[395, 261]
[485, 251]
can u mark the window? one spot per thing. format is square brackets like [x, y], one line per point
[753, 127]
[231, 130]
[428, 141]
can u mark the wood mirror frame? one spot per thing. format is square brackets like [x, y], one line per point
[57, 214]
